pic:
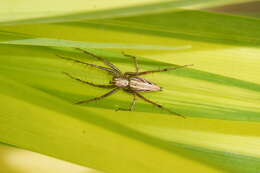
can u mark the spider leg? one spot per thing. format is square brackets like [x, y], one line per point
[158, 105]
[132, 106]
[134, 59]
[105, 61]
[99, 98]
[114, 73]
[154, 71]
[89, 83]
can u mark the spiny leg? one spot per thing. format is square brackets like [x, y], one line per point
[89, 83]
[99, 98]
[158, 105]
[132, 106]
[134, 59]
[105, 61]
[154, 71]
[88, 64]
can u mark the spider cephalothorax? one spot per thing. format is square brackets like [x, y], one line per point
[128, 81]
[120, 82]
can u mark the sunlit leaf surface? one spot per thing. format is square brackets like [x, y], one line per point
[219, 95]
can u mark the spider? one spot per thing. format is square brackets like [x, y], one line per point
[129, 82]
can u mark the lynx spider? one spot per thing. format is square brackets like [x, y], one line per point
[129, 82]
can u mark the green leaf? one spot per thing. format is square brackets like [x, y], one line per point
[80, 9]
[223, 85]
[67, 43]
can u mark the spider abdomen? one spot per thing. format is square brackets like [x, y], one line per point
[142, 85]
